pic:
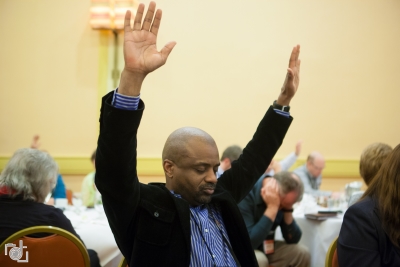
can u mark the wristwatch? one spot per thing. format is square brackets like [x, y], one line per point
[286, 210]
[279, 107]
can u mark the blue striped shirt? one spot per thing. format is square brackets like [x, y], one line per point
[208, 237]
[125, 102]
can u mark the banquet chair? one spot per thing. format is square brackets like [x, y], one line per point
[61, 249]
[331, 259]
[123, 262]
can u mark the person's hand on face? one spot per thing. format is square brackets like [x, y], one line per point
[270, 193]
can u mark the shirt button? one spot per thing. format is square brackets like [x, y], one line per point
[213, 256]
[206, 230]
[156, 214]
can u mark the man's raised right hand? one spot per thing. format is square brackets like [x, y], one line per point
[140, 49]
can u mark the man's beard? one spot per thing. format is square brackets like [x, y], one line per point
[203, 198]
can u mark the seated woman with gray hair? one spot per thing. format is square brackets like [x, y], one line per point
[27, 179]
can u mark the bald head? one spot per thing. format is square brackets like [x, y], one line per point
[315, 163]
[315, 155]
[179, 142]
[190, 161]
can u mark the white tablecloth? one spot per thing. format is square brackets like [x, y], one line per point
[317, 236]
[92, 226]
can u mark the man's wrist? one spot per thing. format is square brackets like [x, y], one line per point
[283, 100]
[271, 212]
[130, 83]
[272, 208]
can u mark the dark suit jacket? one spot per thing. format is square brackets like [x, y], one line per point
[362, 240]
[17, 214]
[150, 225]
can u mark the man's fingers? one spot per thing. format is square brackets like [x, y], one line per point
[298, 67]
[166, 50]
[156, 23]
[149, 16]
[294, 56]
[291, 76]
[137, 24]
[289, 73]
[127, 21]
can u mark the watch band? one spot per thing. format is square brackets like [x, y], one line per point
[286, 210]
[279, 107]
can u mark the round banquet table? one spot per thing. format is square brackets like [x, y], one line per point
[93, 228]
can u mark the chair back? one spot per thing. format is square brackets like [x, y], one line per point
[123, 263]
[331, 259]
[61, 249]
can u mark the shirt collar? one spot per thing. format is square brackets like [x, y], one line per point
[5, 190]
[195, 208]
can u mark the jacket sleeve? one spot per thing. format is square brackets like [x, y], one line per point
[358, 239]
[257, 155]
[287, 162]
[258, 229]
[116, 176]
[58, 219]
[291, 233]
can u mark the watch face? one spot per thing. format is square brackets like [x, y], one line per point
[283, 108]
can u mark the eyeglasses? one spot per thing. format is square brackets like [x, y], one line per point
[317, 167]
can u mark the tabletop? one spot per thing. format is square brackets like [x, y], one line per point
[93, 228]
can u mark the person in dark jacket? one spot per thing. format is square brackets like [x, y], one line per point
[27, 179]
[370, 234]
[191, 220]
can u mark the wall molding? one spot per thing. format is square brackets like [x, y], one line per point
[336, 168]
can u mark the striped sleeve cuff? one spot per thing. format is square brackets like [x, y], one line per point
[125, 102]
[283, 113]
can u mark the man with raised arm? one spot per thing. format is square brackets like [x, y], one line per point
[191, 220]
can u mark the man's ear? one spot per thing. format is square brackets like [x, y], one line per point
[226, 164]
[168, 166]
[308, 164]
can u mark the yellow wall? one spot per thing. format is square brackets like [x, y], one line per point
[49, 68]
[227, 67]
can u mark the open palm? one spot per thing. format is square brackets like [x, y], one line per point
[140, 50]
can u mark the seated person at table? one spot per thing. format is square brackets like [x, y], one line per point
[25, 182]
[88, 190]
[371, 160]
[230, 154]
[269, 205]
[311, 174]
[370, 234]
[285, 164]
[59, 190]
